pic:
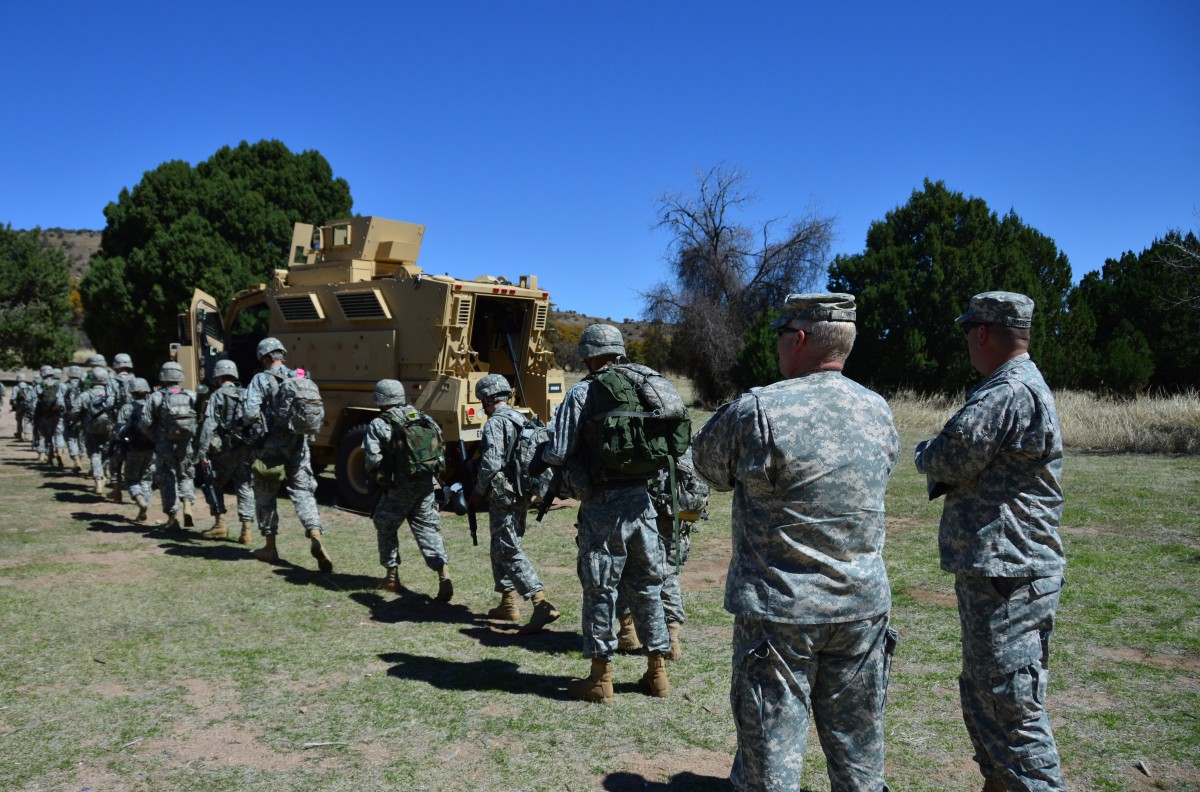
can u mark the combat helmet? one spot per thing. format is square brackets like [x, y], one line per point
[389, 393]
[99, 374]
[139, 385]
[225, 368]
[56, 372]
[46, 371]
[97, 360]
[600, 339]
[492, 386]
[170, 372]
[74, 372]
[122, 361]
[269, 345]
[20, 376]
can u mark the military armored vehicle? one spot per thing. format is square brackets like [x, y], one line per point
[353, 307]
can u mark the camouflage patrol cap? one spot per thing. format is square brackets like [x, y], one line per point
[74, 372]
[999, 307]
[492, 385]
[170, 372]
[817, 307]
[99, 374]
[97, 360]
[600, 339]
[389, 393]
[139, 386]
[122, 361]
[225, 368]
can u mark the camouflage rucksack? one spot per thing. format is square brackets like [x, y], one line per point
[48, 400]
[636, 423]
[98, 414]
[179, 414]
[417, 447]
[297, 406]
[230, 425]
[532, 437]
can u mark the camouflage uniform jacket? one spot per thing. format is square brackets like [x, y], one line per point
[378, 442]
[808, 460]
[1001, 456]
[568, 433]
[500, 434]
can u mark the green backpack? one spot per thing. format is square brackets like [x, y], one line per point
[417, 446]
[637, 423]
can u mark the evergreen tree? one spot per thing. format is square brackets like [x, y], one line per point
[35, 301]
[221, 226]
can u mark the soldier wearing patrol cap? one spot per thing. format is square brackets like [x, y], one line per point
[999, 463]
[808, 459]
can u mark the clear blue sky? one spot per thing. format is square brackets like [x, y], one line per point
[536, 137]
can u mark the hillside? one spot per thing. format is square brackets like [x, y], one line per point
[78, 245]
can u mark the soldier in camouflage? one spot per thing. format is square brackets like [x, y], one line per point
[619, 547]
[138, 448]
[403, 497]
[49, 414]
[511, 570]
[281, 459]
[808, 459]
[96, 422]
[691, 496]
[31, 413]
[17, 404]
[119, 383]
[73, 416]
[224, 450]
[172, 455]
[999, 463]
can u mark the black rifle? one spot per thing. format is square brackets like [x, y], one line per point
[208, 485]
[468, 486]
[551, 491]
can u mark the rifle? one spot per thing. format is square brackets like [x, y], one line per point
[208, 485]
[468, 486]
[551, 491]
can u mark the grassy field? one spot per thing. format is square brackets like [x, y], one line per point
[133, 660]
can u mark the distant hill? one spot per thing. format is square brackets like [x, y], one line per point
[78, 245]
[631, 329]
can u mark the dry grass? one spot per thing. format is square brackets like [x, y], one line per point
[1145, 424]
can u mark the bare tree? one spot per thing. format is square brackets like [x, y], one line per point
[723, 274]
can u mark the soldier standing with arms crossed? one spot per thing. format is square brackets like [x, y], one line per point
[808, 459]
[998, 462]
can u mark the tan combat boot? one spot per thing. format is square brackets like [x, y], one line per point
[172, 524]
[654, 681]
[143, 508]
[98, 486]
[187, 513]
[245, 537]
[544, 612]
[267, 552]
[114, 494]
[627, 639]
[324, 562]
[219, 530]
[507, 610]
[445, 586]
[60, 458]
[676, 649]
[75, 465]
[391, 580]
[597, 686]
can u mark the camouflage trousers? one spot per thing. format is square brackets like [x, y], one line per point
[174, 469]
[412, 502]
[672, 594]
[76, 445]
[620, 552]
[138, 473]
[24, 424]
[94, 445]
[50, 435]
[234, 466]
[299, 481]
[1006, 627]
[510, 566]
[782, 672]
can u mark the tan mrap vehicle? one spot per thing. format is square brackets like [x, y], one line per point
[352, 308]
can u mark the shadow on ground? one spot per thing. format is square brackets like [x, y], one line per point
[503, 676]
[410, 606]
[548, 640]
[684, 782]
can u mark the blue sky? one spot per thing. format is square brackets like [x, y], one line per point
[537, 137]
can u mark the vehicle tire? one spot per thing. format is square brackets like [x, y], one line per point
[356, 491]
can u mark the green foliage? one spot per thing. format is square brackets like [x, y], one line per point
[921, 265]
[758, 361]
[35, 301]
[221, 226]
[1143, 326]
